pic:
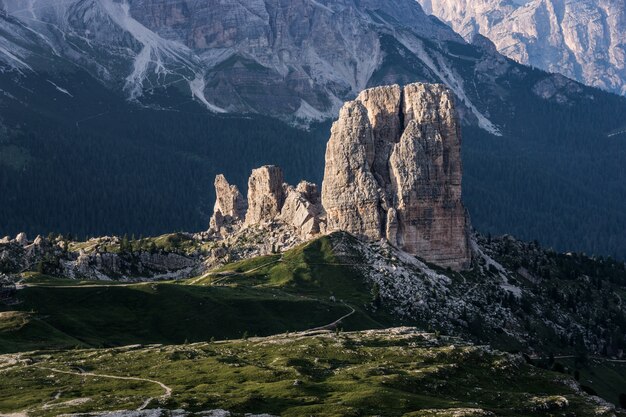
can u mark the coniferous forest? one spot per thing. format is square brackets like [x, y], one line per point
[554, 176]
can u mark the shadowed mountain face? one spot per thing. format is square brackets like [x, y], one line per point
[291, 59]
[112, 114]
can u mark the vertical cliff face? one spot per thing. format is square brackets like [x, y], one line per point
[229, 201]
[350, 192]
[266, 195]
[393, 170]
[581, 39]
[230, 206]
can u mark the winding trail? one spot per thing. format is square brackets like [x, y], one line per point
[619, 132]
[228, 275]
[89, 285]
[167, 390]
[599, 358]
[334, 324]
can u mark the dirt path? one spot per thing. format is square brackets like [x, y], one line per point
[591, 357]
[225, 277]
[130, 284]
[334, 324]
[167, 390]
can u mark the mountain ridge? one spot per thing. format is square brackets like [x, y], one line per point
[582, 40]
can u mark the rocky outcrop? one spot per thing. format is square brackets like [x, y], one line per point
[21, 239]
[94, 260]
[230, 206]
[393, 171]
[302, 209]
[270, 202]
[350, 192]
[266, 194]
[581, 39]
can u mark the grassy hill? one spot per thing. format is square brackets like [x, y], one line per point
[396, 372]
[319, 285]
[305, 288]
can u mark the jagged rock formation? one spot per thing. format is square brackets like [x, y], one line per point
[581, 39]
[271, 202]
[302, 209]
[22, 239]
[393, 170]
[93, 259]
[266, 195]
[230, 205]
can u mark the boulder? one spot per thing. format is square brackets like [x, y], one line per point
[21, 239]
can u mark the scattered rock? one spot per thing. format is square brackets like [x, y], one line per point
[302, 209]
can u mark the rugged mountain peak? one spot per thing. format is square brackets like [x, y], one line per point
[393, 170]
[580, 39]
[230, 205]
[266, 194]
[298, 60]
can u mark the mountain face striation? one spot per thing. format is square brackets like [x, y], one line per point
[297, 60]
[393, 171]
[582, 39]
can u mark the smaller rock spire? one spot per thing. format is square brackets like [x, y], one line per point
[230, 206]
[266, 194]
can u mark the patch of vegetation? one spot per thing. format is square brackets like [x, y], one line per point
[21, 331]
[386, 373]
[306, 287]
[604, 376]
[160, 313]
[14, 157]
[310, 271]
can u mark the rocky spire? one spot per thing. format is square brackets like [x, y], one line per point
[266, 194]
[393, 170]
[230, 205]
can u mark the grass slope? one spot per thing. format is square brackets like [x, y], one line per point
[387, 373]
[606, 377]
[304, 289]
